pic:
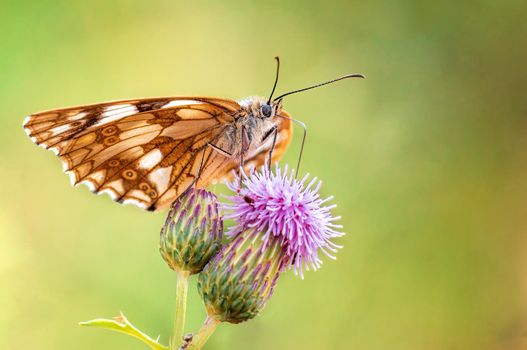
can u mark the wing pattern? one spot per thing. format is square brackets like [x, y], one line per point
[144, 152]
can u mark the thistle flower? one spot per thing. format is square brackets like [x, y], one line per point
[238, 281]
[192, 232]
[191, 235]
[287, 209]
[279, 222]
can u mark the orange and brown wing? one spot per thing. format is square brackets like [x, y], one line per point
[145, 152]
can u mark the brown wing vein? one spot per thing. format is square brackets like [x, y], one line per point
[195, 139]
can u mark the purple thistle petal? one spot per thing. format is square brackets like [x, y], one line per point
[281, 206]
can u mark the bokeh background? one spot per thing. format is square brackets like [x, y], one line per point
[426, 158]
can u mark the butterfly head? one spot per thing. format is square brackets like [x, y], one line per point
[270, 109]
[260, 107]
[266, 110]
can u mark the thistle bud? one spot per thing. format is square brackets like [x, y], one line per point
[239, 280]
[192, 232]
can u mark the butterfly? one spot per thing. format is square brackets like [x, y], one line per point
[148, 151]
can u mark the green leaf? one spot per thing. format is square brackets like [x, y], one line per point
[122, 325]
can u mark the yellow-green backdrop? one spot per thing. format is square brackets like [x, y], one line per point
[426, 159]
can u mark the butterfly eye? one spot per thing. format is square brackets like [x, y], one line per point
[266, 110]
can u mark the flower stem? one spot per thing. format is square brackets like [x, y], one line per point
[204, 333]
[181, 309]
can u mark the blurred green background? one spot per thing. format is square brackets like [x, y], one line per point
[426, 158]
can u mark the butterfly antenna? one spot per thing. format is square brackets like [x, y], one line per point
[276, 79]
[354, 75]
[303, 141]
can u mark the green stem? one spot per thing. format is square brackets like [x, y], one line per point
[181, 309]
[204, 333]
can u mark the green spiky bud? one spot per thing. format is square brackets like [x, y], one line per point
[192, 232]
[239, 280]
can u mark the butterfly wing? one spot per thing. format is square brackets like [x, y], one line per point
[144, 151]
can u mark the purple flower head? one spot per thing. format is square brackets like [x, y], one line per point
[286, 208]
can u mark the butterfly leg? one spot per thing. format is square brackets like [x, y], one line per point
[274, 133]
[245, 148]
[220, 150]
[215, 148]
[246, 142]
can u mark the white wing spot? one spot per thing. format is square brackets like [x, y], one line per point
[177, 103]
[151, 159]
[73, 178]
[60, 129]
[161, 178]
[65, 166]
[116, 112]
[114, 107]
